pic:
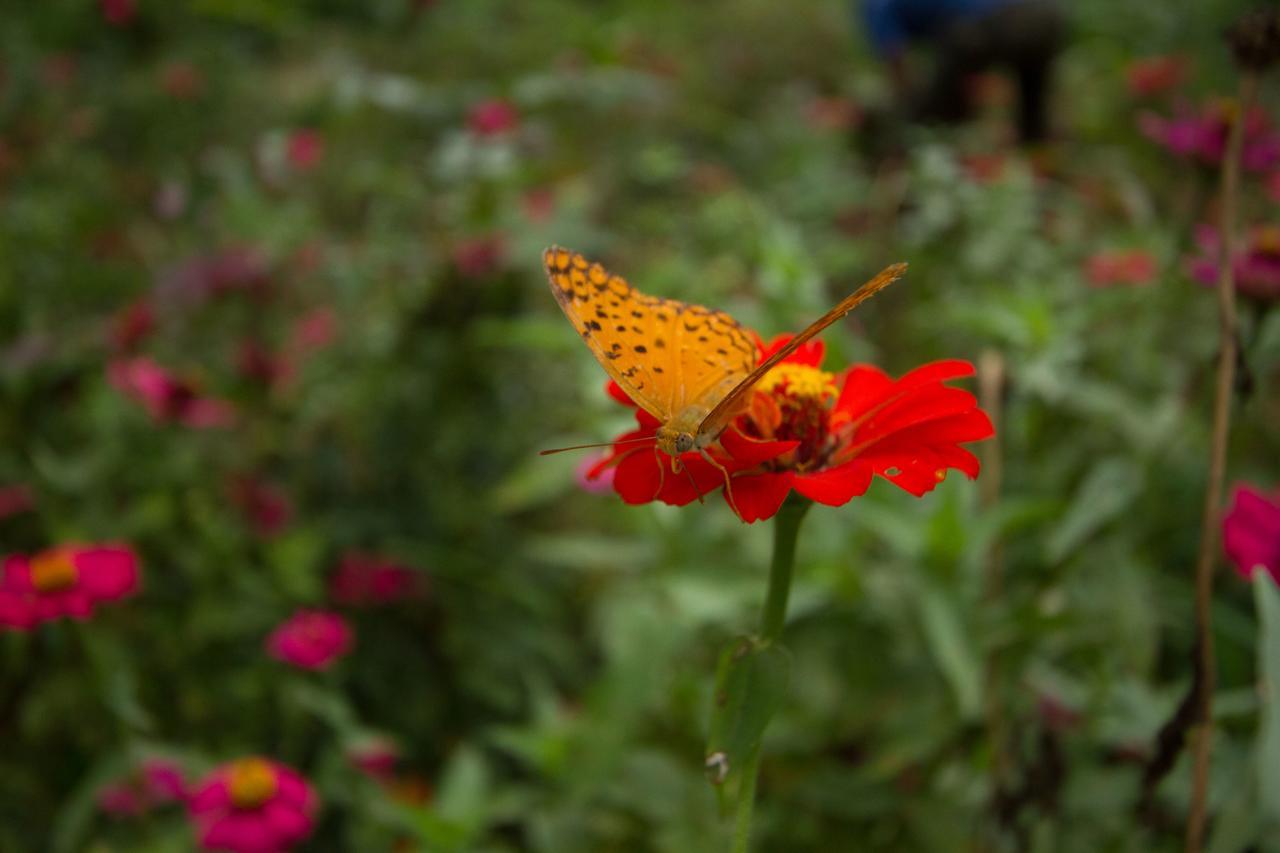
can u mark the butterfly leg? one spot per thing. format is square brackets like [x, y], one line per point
[677, 465]
[728, 481]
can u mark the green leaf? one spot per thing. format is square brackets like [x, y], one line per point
[1106, 492]
[1267, 599]
[952, 651]
[751, 683]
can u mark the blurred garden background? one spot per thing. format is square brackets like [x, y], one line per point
[277, 354]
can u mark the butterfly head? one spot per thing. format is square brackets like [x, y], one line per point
[673, 440]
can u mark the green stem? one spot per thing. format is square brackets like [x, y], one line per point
[786, 529]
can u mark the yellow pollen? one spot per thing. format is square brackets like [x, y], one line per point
[251, 782]
[53, 570]
[800, 380]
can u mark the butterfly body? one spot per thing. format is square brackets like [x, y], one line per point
[690, 367]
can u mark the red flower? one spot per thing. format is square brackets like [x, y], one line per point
[310, 639]
[131, 325]
[819, 434]
[492, 117]
[478, 257]
[1251, 532]
[305, 149]
[1130, 266]
[155, 782]
[264, 505]
[253, 805]
[1154, 75]
[69, 580]
[166, 397]
[368, 579]
[118, 13]
[375, 756]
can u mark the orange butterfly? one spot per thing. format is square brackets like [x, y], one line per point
[688, 366]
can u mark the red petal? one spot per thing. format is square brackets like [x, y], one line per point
[639, 477]
[936, 371]
[760, 495]
[836, 486]
[749, 451]
[915, 407]
[969, 426]
[810, 353]
[676, 488]
[614, 390]
[865, 387]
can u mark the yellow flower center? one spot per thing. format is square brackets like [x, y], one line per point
[1267, 239]
[251, 782]
[800, 380]
[53, 571]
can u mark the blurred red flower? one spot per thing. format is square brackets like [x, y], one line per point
[119, 13]
[15, 499]
[479, 257]
[238, 269]
[820, 435]
[1124, 266]
[539, 204]
[131, 325]
[310, 639]
[1155, 75]
[253, 805]
[264, 505]
[1202, 134]
[492, 117]
[1256, 265]
[375, 757]
[68, 580]
[313, 331]
[165, 397]
[305, 149]
[155, 782]
[369, 579]
[1251, 532]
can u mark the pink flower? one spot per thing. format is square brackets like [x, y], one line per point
[155, 782]
[479, 257]
[602, 482]
[313, 331]
[1155, 75]
[1126, 266]
[263, 504]
[1256, 265]
[68, 580]
[375, 756]
[305, 149]
[15, 499]
[131, 325]
[363, 579]
[492, 117]
[253, 805]
[239, 269]
[119, 13]
[310, 639]
[165, 397]
[258, 364]
[1251, 532]
[1202, 134]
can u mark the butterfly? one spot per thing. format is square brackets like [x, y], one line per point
[689, 366]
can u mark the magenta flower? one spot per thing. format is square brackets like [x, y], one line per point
[1256, 264]
[68, 580]
[154, 783]
[263, 504]
[310, 639]
[1251, 532]
[167, 398]
[602, 482]
[1202, 135]
[492, 117]
[253, 805]
[305, 149]
[1129, 266]
[131, 325]
[375, 757]
[363, 579]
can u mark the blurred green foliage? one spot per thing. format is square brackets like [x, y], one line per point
[554, 688]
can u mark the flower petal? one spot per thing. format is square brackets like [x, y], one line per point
[749, 451]
[759, 496]
[836, 486]
[639, 476]
[107, 572]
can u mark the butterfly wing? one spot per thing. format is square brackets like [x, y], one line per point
[663, 353]
[735, 398]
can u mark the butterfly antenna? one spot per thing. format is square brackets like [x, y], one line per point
[601, 444]
[728, 481]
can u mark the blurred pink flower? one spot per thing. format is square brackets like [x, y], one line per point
[258, 364]
[253, 805]
[167, 398]
[15, 499]
[1251, 532]
[1123, 266]
[313, 331]
[264, 505]
[602, 483]
[1155, 75]
[118, 13]
[305, 149]
[1256, 264]
[376, 757]
[68, 580]
[131, 325]
[155, 782]
[1202, 134]
[241, 269]
[492, 117]
[479, 257]
[363, 579]
[310, 639]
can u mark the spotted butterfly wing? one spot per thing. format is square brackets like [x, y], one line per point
[668, 356]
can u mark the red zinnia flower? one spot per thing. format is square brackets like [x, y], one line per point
[366, 579]
[153, 783]
[253, 805]
[1129, 266]
[68, 580]
[310, 639]
[1154, 75]
[492, 117]
[166, 397]
[1251, 532]
[822, 435]
[305, 149]
[1256, 264]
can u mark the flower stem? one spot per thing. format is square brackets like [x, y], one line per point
[786, 529]
[1202, 743]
